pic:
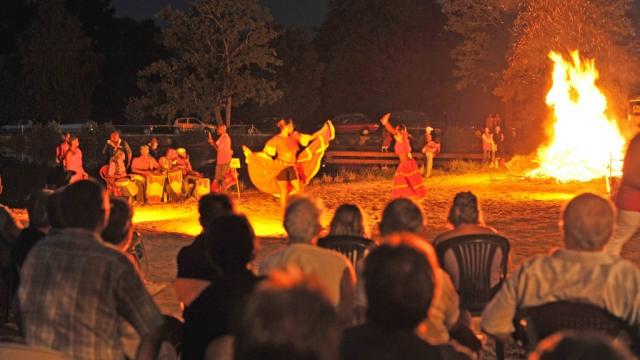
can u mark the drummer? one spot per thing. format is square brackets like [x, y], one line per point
[188, 174]
[117, 172]
[143, 165]
[168, 165]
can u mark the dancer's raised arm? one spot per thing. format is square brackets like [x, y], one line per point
[384, 120]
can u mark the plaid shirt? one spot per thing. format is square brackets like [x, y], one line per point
[74, 292]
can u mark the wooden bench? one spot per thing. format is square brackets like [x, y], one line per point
[386, 158]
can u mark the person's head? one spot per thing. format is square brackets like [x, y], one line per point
[487, 130]
[401, 214]
[221, 128]
[74, 142]
[428, 130]
[285, 125]
[84, 204]
[67, 137]
[172, 154]
[288, 317]
[153, 143]
[37, 208]
[119, 229]
[585, 345]
[58, 177]
[230, 242]
[115, 136]
[302, 219]
[182, 153]
[399, 282]
[54, 210]
[401, 128]
[464, 210]
[497, 130]
[144, 150]
[119, 155]
[587, 222]
[213, 205]
[348, 220]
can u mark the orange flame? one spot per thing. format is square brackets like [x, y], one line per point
[584, 142]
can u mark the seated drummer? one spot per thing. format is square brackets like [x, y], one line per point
[118, 173]
[143, 165]
[188, 174]
[169, 164]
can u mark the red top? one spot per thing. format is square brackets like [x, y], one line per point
[403, 147]
[224, 149]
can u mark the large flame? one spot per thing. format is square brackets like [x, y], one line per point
[584, 142]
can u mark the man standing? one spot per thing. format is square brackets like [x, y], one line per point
[75, 291]
[628, 199]
[62, 148]
[430, 150]
[114, 143]
[223, 158]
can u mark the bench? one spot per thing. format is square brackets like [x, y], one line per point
[386, 158]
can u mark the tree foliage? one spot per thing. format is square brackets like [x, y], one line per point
[221, 53]
[59, 69]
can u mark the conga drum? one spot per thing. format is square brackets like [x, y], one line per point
[203, 187]
[155, 188]
[127, 187]
[175, 182]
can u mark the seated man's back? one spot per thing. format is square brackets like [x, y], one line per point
[74, 292]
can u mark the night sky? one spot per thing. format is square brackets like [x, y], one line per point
[306, 13]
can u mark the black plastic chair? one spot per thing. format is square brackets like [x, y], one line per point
[474, 255]
[353, 247]
[536, 323]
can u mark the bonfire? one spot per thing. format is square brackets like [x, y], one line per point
[584, 142]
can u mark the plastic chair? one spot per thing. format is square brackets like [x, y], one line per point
[474, 255]
[353, 247]
[536, 323]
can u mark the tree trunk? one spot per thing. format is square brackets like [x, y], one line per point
[216, 112]
[227, 111]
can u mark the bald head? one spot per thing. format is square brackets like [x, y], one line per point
[587, 222]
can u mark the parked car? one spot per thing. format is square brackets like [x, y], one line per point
[183, 124]
[17, 127]
[346, 124]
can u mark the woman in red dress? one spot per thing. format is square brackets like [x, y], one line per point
[73, 160]
[407, 181]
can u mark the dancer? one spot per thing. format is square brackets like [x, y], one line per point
[73, 160]
[488, 152]
[279, 169]
[407, 181]
[223, 157]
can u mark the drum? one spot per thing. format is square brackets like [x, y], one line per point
[203, 187]
[175, 181]
[127, 187]
[137, 178]
[155, 188]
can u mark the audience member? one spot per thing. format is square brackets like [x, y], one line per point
[466, 218]
[75, 291]
[288, 317]
[37, 208]
[400, 285]
[580, 272]
[119, 229]
[195, 268]
[230, 242]
[347, 223]
[627, 199]
[58, 177]
[54, 212]
[573, 345]
[335, 272]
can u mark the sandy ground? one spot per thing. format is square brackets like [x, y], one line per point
[525, 210]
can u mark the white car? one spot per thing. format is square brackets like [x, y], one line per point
[183, 124]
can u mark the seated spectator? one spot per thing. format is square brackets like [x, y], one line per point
[75, 291]
[466, 218]
[54, 212]
[58, 177]
[400, 284]
[348, 223]
[119, 229]
[403, 215]
[37, 207]
[230, 243]
[124, 186]
[580, 346]
[288, 317]
[335, 272]
[195, 268]
[580, 272]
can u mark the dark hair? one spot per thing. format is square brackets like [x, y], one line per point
[119, 222]
[58, 177]
[347, 220]
[292, 321]
[82, 205]
[72, 138]
[464, 209]
[401, 215]
[586, 345]
[37, 208]
[212, 206]
[54, 211]
[284, 121]
[399, 284]
[401, 127]
[230, 242]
